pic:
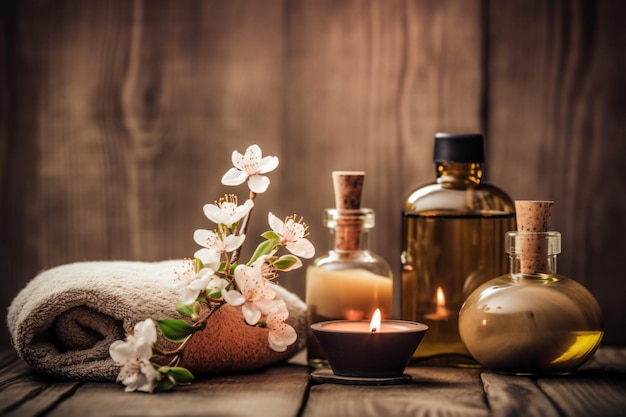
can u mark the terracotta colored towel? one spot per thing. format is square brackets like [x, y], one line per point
[64, 320]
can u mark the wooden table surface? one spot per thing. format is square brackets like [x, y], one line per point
[597, 389]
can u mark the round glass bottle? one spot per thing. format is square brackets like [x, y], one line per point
[350, 281]
[531, 320]
[452, 242]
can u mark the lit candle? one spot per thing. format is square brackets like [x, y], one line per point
[441, 312]
[376, 325]
[369, 349]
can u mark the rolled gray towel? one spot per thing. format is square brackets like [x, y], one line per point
[63, 322]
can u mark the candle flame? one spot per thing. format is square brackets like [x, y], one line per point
[441, 298]
[375, 323]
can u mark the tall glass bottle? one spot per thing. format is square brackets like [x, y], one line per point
[349, 281]
[452, 242]
[531, 320]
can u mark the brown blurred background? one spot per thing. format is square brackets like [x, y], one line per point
[118, 117]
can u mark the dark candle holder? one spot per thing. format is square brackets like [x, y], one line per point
[359, 356]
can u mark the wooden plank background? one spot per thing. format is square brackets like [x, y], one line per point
[117, 119]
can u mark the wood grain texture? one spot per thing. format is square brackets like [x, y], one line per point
[507, 395]
[433, 392]
[119, 117]
[277, 391]
[592, 396]
[284, 390]
[25, 394]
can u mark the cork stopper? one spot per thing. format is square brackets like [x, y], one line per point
[533, 220]
[348, 186]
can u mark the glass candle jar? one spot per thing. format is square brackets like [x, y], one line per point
[349, 282]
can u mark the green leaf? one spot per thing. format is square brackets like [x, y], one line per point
[198, 265]
[271, 235]
[172, 376]
[184, 309]
[166, 383]
[214, 293]
[181, 375]
[285, 262]
[176, 330]
[263, 249]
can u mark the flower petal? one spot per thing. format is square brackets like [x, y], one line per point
[237, 158]
[267, 164]
[280, 339]
[202, 237]
[252, 155]
[213, 213]
[234, 298]
[210, 258]
[234, 177]
[244, 209]
[267, 305]
[121, 351]
[146, 329]
[188, 296]
[232, 242]
[250, 281]
[251, 313]
[217, 284]
[200, 283]
[258, 183]
[143, 348]
[275, 223]
[129, 378]
[151, 376]
[302, 247]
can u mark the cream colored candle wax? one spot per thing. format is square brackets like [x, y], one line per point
[351, 294]
[349, 282]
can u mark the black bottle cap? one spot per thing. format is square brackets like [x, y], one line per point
[463, 147]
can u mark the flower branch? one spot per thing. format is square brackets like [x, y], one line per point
[215, 277]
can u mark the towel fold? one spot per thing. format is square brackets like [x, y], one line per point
[63, 322]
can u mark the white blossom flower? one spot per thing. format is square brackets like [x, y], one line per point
[193, 287]
[210, 258]
[194, 282]
[216, 286]
[133, 355]
[211, 240]
[145, 329]
[254, 295]
[280, 335]
[250, 166]
[226, 211]
[293, 235]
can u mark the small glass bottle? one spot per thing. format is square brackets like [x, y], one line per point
[531, 320]
[349, 281]
[452, 242]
